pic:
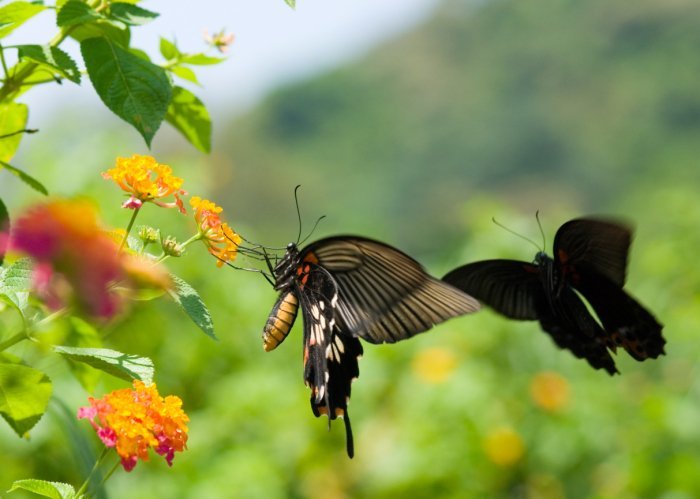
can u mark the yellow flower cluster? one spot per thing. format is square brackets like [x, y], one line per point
[220, 239]
[146, 180]
[134, 420]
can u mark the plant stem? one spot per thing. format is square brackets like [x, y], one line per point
[22, 335]
[128, 228]
[84, 486]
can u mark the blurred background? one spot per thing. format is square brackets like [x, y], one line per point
[412, 122]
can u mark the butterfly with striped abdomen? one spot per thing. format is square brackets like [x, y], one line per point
[350, 287]
[590, 260]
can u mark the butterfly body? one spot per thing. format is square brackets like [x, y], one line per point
[590, 261]
[350, 287]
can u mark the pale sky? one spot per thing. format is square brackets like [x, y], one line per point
[273, 43]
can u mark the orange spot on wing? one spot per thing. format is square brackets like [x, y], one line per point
[563, 256]
[311, 257]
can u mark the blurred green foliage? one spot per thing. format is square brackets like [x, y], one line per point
[490, 109]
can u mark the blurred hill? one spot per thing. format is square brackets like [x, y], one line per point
[543, 104]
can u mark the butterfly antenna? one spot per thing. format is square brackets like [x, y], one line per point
[516, 234]
[312, 229]
[296, 202]
[539, 224]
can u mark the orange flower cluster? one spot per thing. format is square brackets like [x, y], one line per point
[134, 420]
[77, 261]
[146, 180]
[220, 239]
[74, 256]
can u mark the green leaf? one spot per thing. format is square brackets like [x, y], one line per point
[15, 284]
[188, 114]
[201, 60]
[184, 73]
[291, 3]
[118, 364]
[13, 118]
[24, 395]
[17, 277]
[186, 296]
[54, 490]
[131, 15]
[53, 57]
[83, 335]
[76, 12]
[4, 230]
[137, 91]
[25, 177]
[14, 14]
[168, 49]
[103, 28]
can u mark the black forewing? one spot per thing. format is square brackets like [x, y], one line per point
[594, 244]
[510, 287]
[330, 359]
[384, 295]
[625, 320]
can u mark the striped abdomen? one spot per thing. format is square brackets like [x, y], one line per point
[280, 321]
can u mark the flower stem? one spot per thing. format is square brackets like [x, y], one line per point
[111, 472]
[22, 335]
[85, 484]
[128, 228]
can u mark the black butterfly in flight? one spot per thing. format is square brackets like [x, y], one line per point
[590, 260]
[350, 287]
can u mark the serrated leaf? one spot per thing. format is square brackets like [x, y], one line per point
[13, 118]
[137, 91]
[130, 14]
[121, 365]
[4, 230]
[291, 3]
[191, 118]
[24, 395]
[83, 335]
[53, 57]
[184, 73]
[201, 60]
[76, 12]
[189, 300]
[18, 276]
[25, 177]
[168, 49]
[14, 14]
[103, 28]
[15, 283]
[53, 490]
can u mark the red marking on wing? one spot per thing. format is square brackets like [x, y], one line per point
[311, 257]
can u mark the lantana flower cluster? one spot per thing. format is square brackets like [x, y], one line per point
[219, 238]
[135, 420]
[147, 181]
[78, 262]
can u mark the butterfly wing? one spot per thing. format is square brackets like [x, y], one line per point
[593, 244]
[567, 320]
[515, 290]
[383, 294]
[627, 322]
[510, 287]
[330, 359]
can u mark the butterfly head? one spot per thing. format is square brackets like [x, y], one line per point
[542, 258]
[285, 269]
